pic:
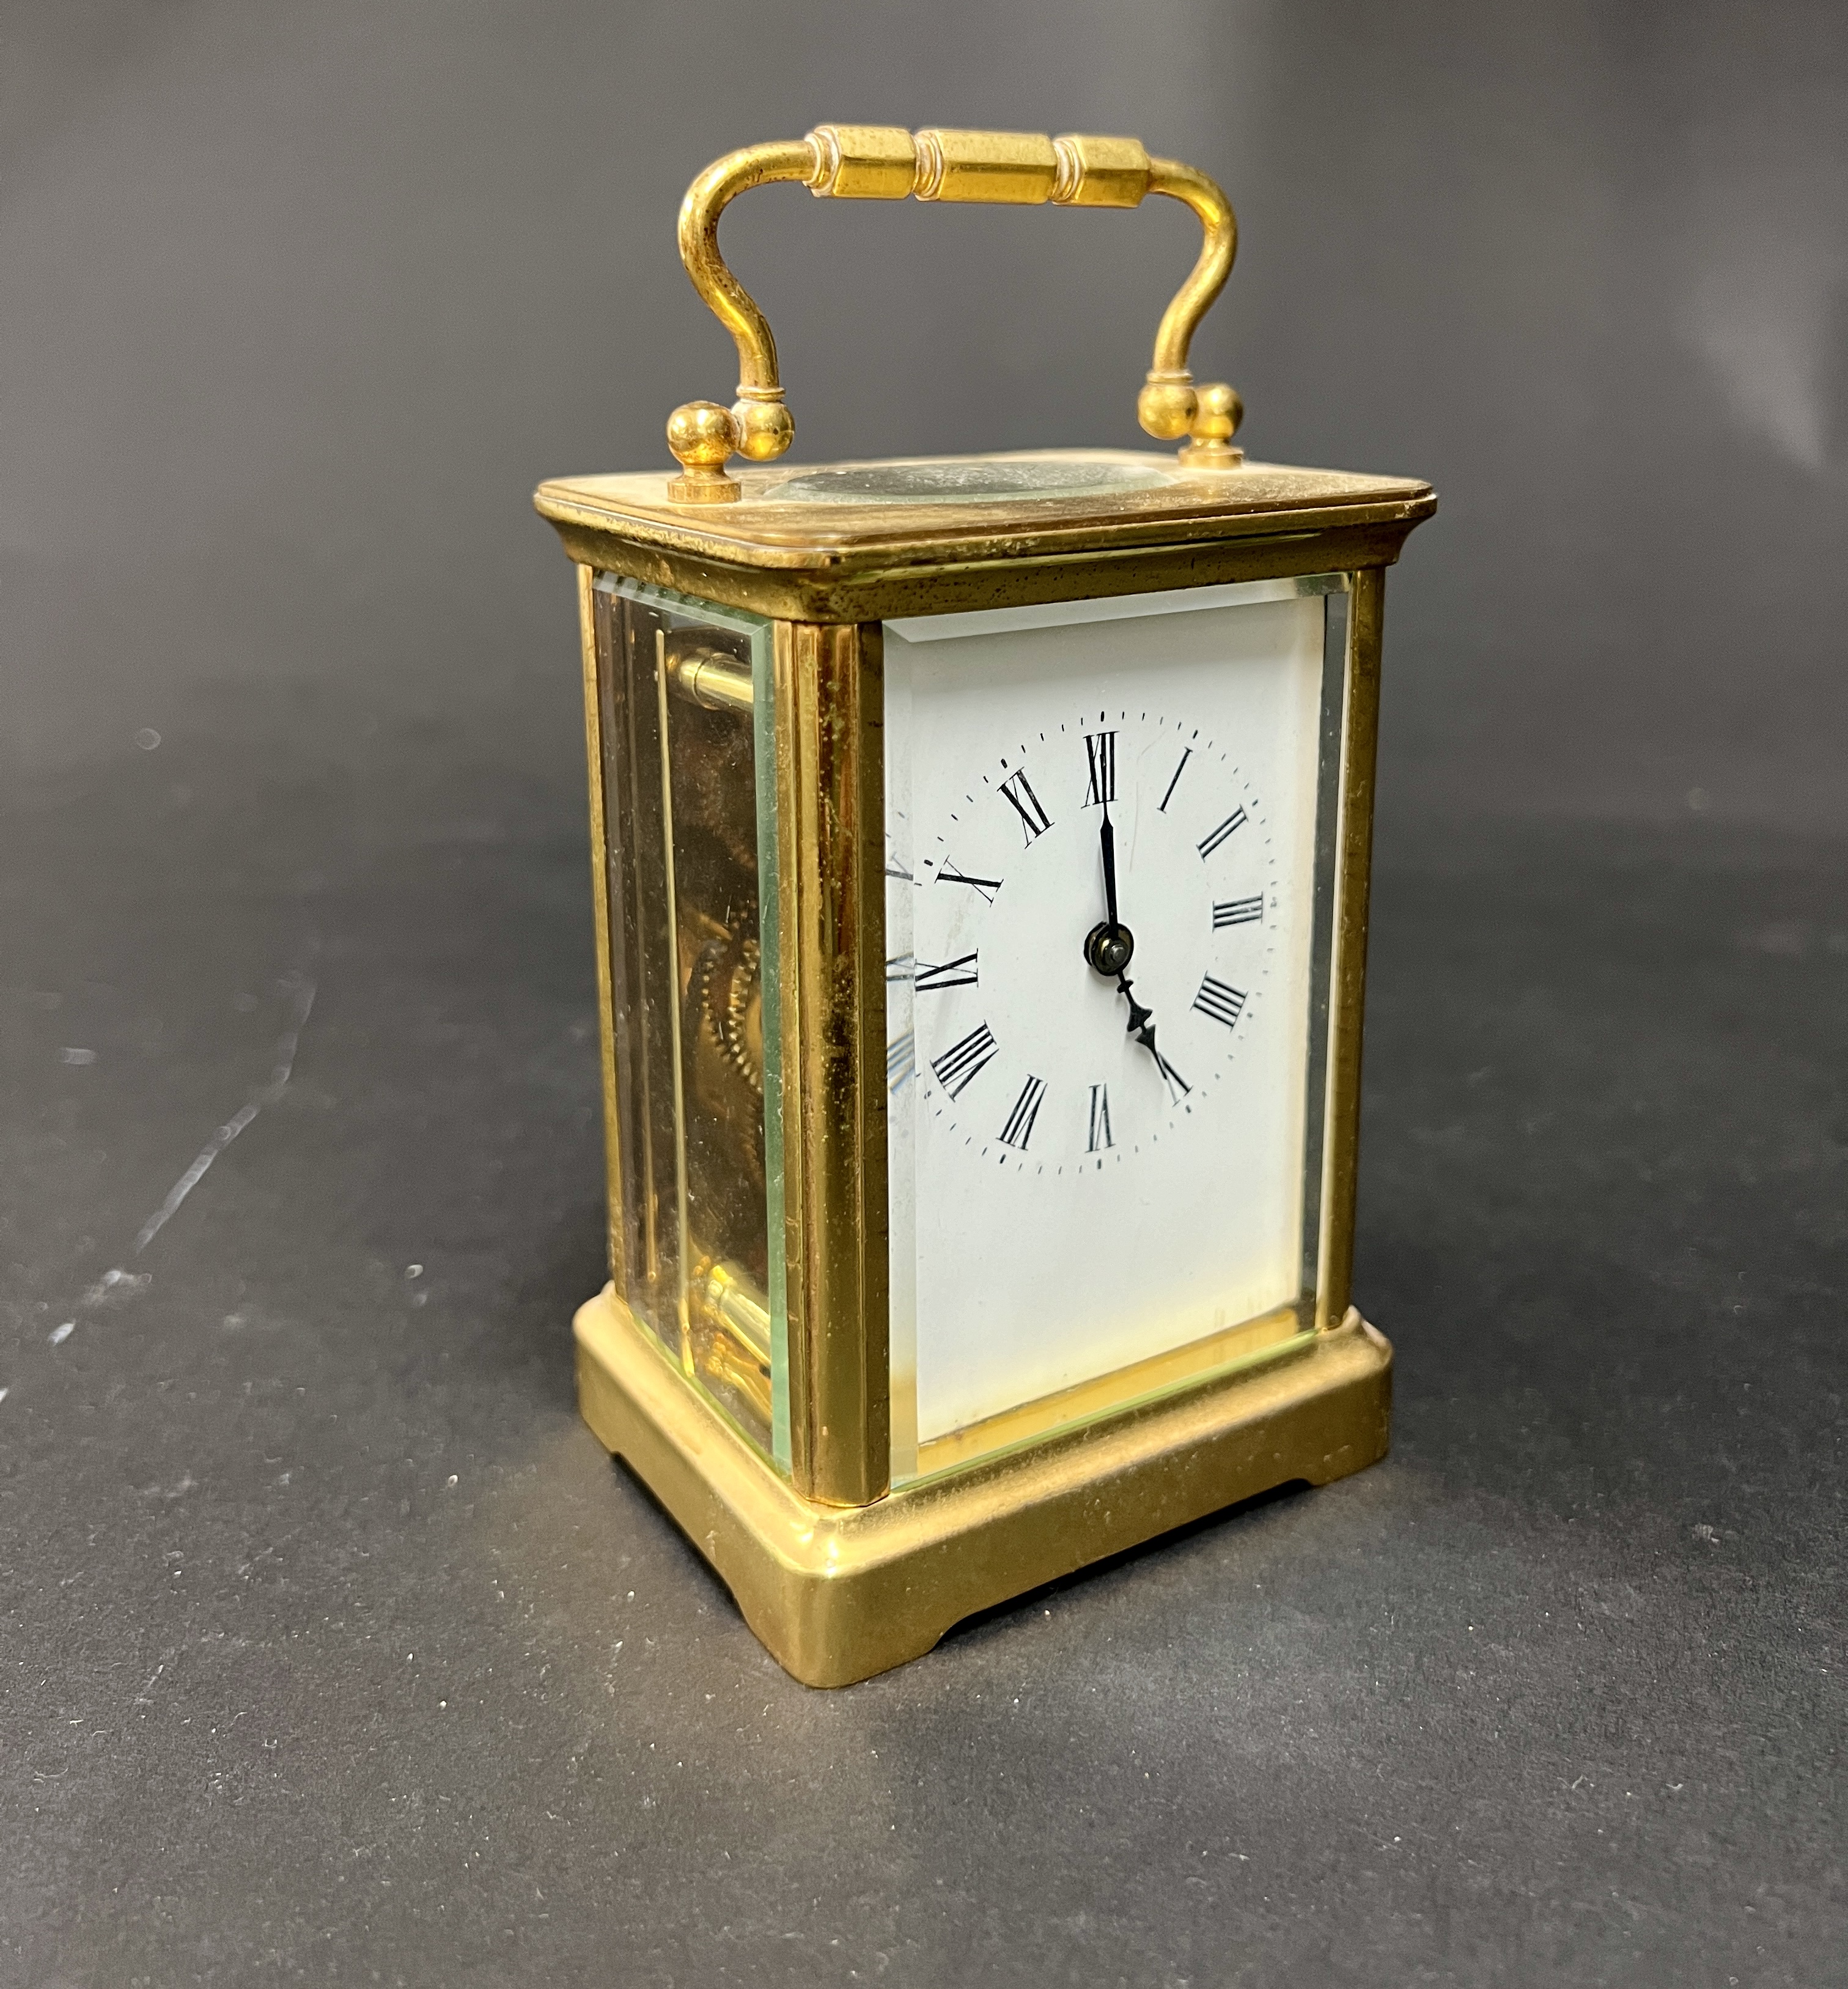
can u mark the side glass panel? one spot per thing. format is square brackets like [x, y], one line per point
[1103, 1176]
[684, 693]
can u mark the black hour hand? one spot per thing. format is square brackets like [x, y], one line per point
[1142, 1026]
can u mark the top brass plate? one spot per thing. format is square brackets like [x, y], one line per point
[1066, 499]
[867, 542]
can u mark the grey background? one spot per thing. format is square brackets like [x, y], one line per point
[300, 303]
[331, 1647]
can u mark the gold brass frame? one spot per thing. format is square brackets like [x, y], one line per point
[831, 812]
[1348, 969]
[1015, 168]
[841, 1574]
[600, 902]
[839, 1593]
[803, 563]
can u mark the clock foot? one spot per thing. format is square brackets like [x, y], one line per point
[837, 1593]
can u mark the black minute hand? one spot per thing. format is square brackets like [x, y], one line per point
[1110, 943]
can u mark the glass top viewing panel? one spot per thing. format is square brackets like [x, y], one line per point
[972, 480]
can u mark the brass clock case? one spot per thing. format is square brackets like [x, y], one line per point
[734, 679]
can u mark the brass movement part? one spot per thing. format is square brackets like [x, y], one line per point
[709, 676]
[839, 1593]
[683, 1250]
[726, 1296]
[1348, 967]
[1012, 168]
[741, 1019]
[732, 1330]
[728, 995]
[830, 699]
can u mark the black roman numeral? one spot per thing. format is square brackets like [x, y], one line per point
[1235, 820]
[898, 966]
[1223, 1004]
[987, 886]
[1100, 760]
[1034, 819]
[961, 1063]
[1018, 1129]
[1100, 1118]
[901, 1061]
[1186, 755]
[952, 973]
[1238, 912]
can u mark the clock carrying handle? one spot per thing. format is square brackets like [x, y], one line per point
[879, 162]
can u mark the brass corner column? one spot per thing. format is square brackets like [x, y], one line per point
[1347, 965]
[831, 881]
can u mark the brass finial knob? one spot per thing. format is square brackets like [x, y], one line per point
[1217, 415]
[1166, 405]
[766, 428]
[702, 435]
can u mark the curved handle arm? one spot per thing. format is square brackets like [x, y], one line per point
[880, 162]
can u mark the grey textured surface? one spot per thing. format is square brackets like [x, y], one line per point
[299, 304]
[333, 1645]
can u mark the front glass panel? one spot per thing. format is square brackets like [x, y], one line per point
[685, 692]
[1104, 1174]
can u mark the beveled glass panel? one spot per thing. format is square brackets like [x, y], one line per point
[977, 479]
[692, 949]
[1105, 1181]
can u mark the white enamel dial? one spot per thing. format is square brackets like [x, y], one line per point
[1094, 1161]
[1036, 1058]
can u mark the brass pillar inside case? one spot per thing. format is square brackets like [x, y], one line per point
[708, 677]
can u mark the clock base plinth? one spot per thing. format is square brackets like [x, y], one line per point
[836, 1593]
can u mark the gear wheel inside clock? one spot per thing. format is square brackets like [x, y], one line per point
[728, 994]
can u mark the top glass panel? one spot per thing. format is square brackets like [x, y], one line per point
[976, 480]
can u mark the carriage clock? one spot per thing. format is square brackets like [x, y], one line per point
[982, 848]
